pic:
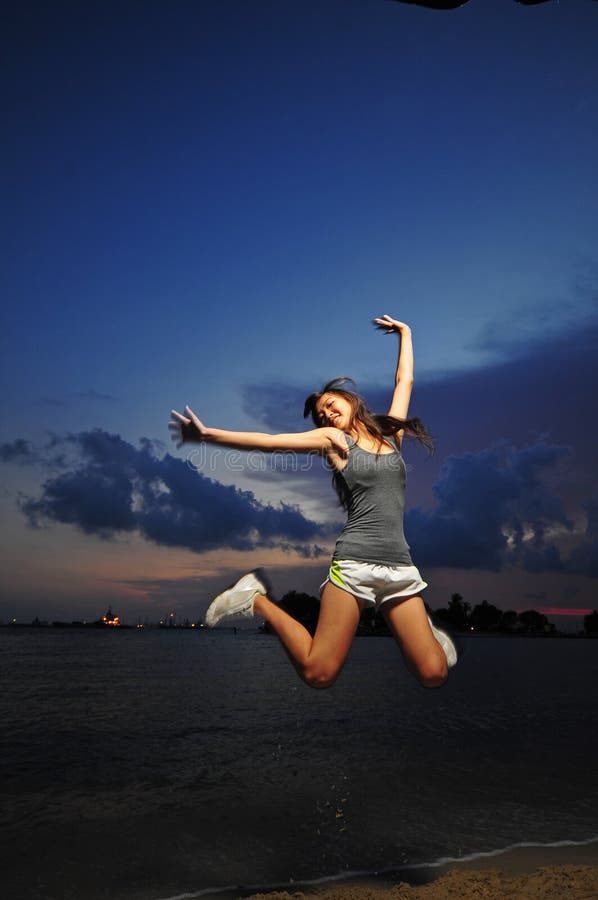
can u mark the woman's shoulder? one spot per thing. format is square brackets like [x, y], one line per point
[339, 445]
[334, 440]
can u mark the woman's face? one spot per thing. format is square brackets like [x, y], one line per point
[334, 410]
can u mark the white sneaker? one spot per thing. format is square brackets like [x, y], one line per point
[236, 600]
[450, 651]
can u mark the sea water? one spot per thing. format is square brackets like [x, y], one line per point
[157, 763]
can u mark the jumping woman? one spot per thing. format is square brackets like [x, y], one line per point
[371, 564]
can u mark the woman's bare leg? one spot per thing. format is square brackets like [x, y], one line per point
[423, 655]
[317, 659]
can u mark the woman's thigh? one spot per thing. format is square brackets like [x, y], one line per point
[337, 624]
[408, 620]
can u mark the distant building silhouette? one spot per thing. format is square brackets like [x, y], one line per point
[110, 619]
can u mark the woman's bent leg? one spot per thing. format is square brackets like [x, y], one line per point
[317, 659]
[423, 654]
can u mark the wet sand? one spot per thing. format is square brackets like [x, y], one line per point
[523, 873]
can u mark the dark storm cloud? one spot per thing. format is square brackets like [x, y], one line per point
[547, 389]
[584, 558]
[493, 509]
[18, 451]
[108, 486]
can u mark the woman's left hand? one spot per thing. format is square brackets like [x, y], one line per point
[187, 428]
[390, 325]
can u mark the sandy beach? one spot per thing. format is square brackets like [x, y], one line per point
[551, 883]
[524, 873]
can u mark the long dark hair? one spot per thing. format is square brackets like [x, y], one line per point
[378, 425]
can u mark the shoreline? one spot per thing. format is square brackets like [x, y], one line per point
[528, 871]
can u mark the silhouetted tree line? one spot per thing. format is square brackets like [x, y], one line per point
[486, 617]
[457, 616]
[590, 623]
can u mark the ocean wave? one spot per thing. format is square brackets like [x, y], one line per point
[348, 875]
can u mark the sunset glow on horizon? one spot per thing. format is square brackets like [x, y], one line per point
[563, 611]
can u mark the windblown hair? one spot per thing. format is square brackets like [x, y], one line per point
[378, 425]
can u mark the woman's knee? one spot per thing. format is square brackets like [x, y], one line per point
[432, 671]
[320, 675]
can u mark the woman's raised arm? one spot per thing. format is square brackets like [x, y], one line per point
[188, 428]
[401, 397]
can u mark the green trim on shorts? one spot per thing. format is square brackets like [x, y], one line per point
[335, 574]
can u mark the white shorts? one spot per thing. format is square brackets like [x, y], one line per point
[375, 583]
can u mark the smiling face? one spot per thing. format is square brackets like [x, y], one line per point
[334, 410]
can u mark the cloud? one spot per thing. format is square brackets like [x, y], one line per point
[108, 487]
[88, 396]
[493, 509]
[584, 558]
[547, 390]
[279, 407]
[91, 395]
[520, 330]
[49, 401]
[18, 451]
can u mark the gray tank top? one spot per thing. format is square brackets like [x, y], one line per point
[375, 485]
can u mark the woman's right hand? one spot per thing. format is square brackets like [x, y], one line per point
[388, 324]
[187, 428]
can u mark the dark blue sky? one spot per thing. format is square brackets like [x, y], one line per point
[207, 203]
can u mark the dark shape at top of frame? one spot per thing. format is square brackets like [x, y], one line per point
[436, 4]
[454, 4]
